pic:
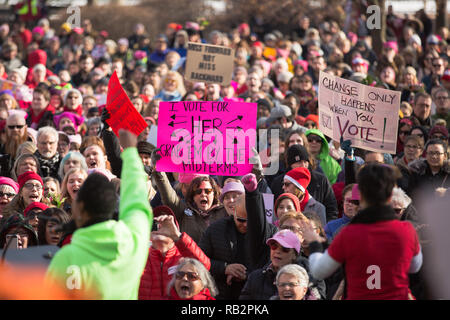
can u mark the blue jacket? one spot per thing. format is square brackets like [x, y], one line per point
[334, 226]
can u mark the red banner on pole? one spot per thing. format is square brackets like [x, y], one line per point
[123, 114]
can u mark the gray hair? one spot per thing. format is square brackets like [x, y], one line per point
[295, 270]
[400, 196]
[205, 277]
[72, 155]
[47, 131]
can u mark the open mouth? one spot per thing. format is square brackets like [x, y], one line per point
[75, 190]
[34, 198]
[203, 202]
[288, 295]
[92, 164]
[185, 290]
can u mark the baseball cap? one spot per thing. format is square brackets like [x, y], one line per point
[287, 239]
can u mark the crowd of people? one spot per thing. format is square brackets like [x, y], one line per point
[339, 214]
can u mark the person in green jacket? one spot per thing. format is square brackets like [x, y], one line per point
[107, 257]
[318, 146]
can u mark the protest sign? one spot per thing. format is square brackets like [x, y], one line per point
[208, 63]
[268, 206]
[366, 115]
[20, 92]
[123, 114]
[211, 137]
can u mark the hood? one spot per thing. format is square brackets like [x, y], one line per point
[16, 220]
[324, 151]
[106, 241]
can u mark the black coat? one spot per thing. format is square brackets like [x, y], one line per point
[421, 176]
[258, 232]
[220, 244]
[319, 188]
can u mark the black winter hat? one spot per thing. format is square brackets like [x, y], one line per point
[145, 147]
[296, 153]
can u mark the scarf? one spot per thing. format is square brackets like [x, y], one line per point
[304, 201]
[49, 167]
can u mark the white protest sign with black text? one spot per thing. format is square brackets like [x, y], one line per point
[366, 115]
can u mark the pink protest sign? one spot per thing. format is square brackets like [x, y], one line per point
[211, 137]
[366, 115]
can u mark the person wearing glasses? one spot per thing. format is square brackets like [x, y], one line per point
[318, 147]
[284, 250]
[168, 247]
[292, 283]
[420, 132]
[31, 189]
[412, 150]
[225, 243]
[16, 226]
[8, 190]
[192, 281]
[404, 128]
[433, 171]
[422, 109]
[442, 102]
[16, 134]
[172, 87]
[47, 151]
[201, 205]
[351, 197]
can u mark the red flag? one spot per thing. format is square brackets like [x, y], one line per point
[123, 114]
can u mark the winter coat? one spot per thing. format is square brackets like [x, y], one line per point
[260, 284]
[319, 188]
[258, 232]
[330, 167]
[219, 242]
[159, 269]
[202, 295]
[317, 207]
[110, 256]
[189, 218]
[421, 176]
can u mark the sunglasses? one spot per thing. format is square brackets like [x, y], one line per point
[404, 132]
[200, 191]
[274, 246]
[8, 195]
[354, 202]
[311, 140]
[19, 126]
[191, 276]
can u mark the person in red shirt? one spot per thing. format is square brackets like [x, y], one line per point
[377, 250]
[40, 112]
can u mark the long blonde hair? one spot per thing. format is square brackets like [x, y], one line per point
[64, 192]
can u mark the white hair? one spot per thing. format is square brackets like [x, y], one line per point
[400, 196]
[47, 131]
[297, 271]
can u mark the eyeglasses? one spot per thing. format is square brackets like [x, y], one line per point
[17, 126]
[288, 284]
[412, 147]
[435, 153]
[200, 191]
[441, 98]
[354, 202]
[7, 194]
[438, 136]
[293, 229]
[274, 246]
[402, 132]
[31, 186]
[418, 134]
[398, 210]
[311, 140]
[191, 276]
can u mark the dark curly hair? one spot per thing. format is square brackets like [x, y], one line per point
[194, 185]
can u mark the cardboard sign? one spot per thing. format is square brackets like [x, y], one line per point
[209, 137]
[208, 63]
[268, 206]
[366, 115]
[123, 114]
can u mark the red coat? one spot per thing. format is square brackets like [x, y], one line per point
[157, 275]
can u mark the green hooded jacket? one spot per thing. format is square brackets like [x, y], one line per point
[108, 258]
[330, 167]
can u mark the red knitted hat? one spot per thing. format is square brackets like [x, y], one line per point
[34, 205]
[29, 175]
[289, 196]
[300, 177]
